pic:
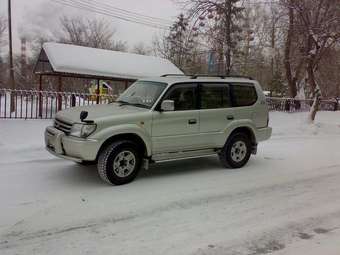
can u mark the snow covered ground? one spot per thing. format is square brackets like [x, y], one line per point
[285, 201]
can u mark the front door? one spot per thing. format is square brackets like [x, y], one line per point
[177, 130]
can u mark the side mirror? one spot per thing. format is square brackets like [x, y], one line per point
[168, 105]
[83, 115]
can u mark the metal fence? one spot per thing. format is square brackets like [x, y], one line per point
[32, 104]
[298, 105]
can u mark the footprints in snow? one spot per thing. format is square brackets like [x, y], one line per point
[271, 246]
[268, 247]
[322, 230]
[306, 236]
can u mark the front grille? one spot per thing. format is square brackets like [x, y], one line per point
[63, 126]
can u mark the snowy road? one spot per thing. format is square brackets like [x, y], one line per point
[285, 201]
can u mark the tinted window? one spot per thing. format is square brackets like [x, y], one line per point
[184, 97]
[215, 96]
[244, 95]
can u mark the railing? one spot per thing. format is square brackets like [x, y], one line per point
[298, 105]
[32, 104]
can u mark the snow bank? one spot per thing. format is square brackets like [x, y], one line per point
[22, 140]
[295, 124]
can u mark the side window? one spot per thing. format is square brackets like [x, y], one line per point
[214, 96]
[184, 97]
[244, 95]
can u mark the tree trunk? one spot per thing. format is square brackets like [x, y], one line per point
[228, 36]
[288, 45]
[314, 109]
[312, 81]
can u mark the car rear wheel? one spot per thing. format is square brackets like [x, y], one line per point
[236, 152]
[119, 163]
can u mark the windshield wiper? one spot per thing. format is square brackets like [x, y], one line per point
[121, 102]
[140, 105]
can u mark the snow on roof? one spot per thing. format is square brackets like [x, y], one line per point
[66, 58]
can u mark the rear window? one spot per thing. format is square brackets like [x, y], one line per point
[244, 95]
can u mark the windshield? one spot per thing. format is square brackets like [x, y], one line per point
[142, 93]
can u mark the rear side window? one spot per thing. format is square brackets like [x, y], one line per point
[244, 95]
[214, 96]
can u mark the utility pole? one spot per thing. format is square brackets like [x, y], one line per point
[11, 68]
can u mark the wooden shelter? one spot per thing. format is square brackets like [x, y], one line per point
[66, 60]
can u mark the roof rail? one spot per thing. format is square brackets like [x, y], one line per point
[195, 76]
[172, 74]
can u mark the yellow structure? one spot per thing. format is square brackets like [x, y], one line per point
[104, 90]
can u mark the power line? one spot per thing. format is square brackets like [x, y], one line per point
[104, 11]
[161, 20]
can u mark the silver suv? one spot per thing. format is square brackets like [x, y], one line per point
[164, 118]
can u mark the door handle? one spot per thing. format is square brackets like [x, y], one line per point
[192, 121]
[230, 117]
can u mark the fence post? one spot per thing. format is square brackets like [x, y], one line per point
[40, 96]
[287, 105]
[60, 101]
[73, 100]
[97, 92]
[336, 105]
[297, 104]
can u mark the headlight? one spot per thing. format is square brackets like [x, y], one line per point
[76, 130]
[83, 130]
[88, 129]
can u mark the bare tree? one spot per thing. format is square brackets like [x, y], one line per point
[329, 73]
[3, 29]
[179, 45]
[141, 48]
[219, 19]
[314, 28]
[89, 32]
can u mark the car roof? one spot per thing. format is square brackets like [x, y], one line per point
[189, 79]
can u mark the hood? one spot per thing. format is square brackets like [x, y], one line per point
[98, 111]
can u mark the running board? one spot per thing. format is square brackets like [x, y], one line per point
[183, 155]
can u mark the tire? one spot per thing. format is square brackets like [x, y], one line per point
[236, 152]
[119, 163]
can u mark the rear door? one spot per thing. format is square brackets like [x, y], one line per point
[245, 102]
[215, 112]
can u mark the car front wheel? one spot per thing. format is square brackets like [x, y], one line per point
[236, 152]
[119, 163]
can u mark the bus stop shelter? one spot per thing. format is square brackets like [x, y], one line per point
[66, 60]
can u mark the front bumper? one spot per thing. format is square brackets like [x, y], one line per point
[69, 147]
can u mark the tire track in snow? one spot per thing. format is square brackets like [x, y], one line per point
[287, 189]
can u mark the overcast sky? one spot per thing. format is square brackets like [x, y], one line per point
[41, 16]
